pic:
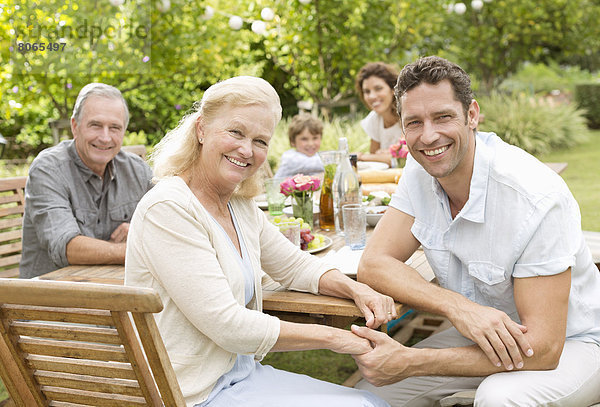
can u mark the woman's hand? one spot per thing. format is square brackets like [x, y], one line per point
[348, 342]
[295, 336]
[377, 308]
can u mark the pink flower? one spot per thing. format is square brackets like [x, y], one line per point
[303, 182]
[399, 150]
[316, 184]
[287, 186]
[299, 184]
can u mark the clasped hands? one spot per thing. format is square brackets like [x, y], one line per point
[376, 308]
[501, 339]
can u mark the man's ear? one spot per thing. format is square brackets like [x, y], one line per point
[73, 128]
[473, 114]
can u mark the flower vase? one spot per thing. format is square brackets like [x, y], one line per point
[302, 207]
[398, 162]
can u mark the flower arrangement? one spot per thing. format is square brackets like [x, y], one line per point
[399, 151]
[301, 188]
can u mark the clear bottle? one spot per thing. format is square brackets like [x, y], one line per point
[346, 187]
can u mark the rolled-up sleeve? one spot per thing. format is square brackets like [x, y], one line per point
[179, 252]
[401, 198]
[551, 246]
[51, 214]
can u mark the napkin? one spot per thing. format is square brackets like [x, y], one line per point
[346, 260]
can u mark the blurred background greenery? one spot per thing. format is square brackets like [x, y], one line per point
[525, 56]
[535, 66]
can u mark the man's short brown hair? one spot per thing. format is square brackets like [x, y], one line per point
[433, 70]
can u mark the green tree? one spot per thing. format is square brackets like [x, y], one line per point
[321, 45]
[494, 41]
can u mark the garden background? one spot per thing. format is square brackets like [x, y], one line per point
[534, 63]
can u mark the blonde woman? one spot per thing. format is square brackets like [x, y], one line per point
[200, 241]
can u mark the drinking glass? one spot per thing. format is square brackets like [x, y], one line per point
[275, 199]
[355, 225]
[291, 230]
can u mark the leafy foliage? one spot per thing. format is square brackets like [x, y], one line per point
[545, 78]
[537, 125]
[494, 41]
[588, 98]
[164, 57]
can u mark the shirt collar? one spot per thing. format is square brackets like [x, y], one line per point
[474, 209]
[88, 173]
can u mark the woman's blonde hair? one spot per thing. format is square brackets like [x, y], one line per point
[180, 148]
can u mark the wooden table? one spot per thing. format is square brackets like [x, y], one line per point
[288, 305]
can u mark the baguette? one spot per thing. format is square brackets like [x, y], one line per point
[380, 176]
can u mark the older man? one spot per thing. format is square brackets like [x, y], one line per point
[81, 194]
[503, 235]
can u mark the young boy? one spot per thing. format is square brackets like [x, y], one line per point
[305, 134]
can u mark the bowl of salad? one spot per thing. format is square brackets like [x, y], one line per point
[376, 203]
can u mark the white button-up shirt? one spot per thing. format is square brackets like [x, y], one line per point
[520, 221]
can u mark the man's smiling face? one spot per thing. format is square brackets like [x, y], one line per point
[99, 133]
[439, 133]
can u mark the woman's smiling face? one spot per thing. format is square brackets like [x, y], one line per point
[235, 143]
[378, 95]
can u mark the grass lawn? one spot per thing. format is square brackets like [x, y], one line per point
[582, 176]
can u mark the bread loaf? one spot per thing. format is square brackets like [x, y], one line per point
[380, 176]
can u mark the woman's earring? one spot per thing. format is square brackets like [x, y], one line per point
[201, 140]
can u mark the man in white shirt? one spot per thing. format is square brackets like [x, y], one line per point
[503, 235]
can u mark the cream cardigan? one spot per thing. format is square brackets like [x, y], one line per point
[176, 248]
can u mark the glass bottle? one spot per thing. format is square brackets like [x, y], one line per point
[354, 164]
[330, 161]
[346, 189]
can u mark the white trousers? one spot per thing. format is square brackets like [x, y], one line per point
[574, 383]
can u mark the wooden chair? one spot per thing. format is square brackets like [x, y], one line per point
[138, 149]
[12, 207]
[70, 344]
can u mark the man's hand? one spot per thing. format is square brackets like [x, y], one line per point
[119, 235]
[387, 363]
[498, 336]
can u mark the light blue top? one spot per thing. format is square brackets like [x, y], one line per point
[294, 162]
[244, 364]
[520, 221]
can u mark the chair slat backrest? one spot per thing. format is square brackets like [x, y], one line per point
[12, 207]
[64, 343]
[137, 149]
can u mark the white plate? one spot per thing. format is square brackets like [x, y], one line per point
[326, 240]
[289, 211]
[371, 165]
